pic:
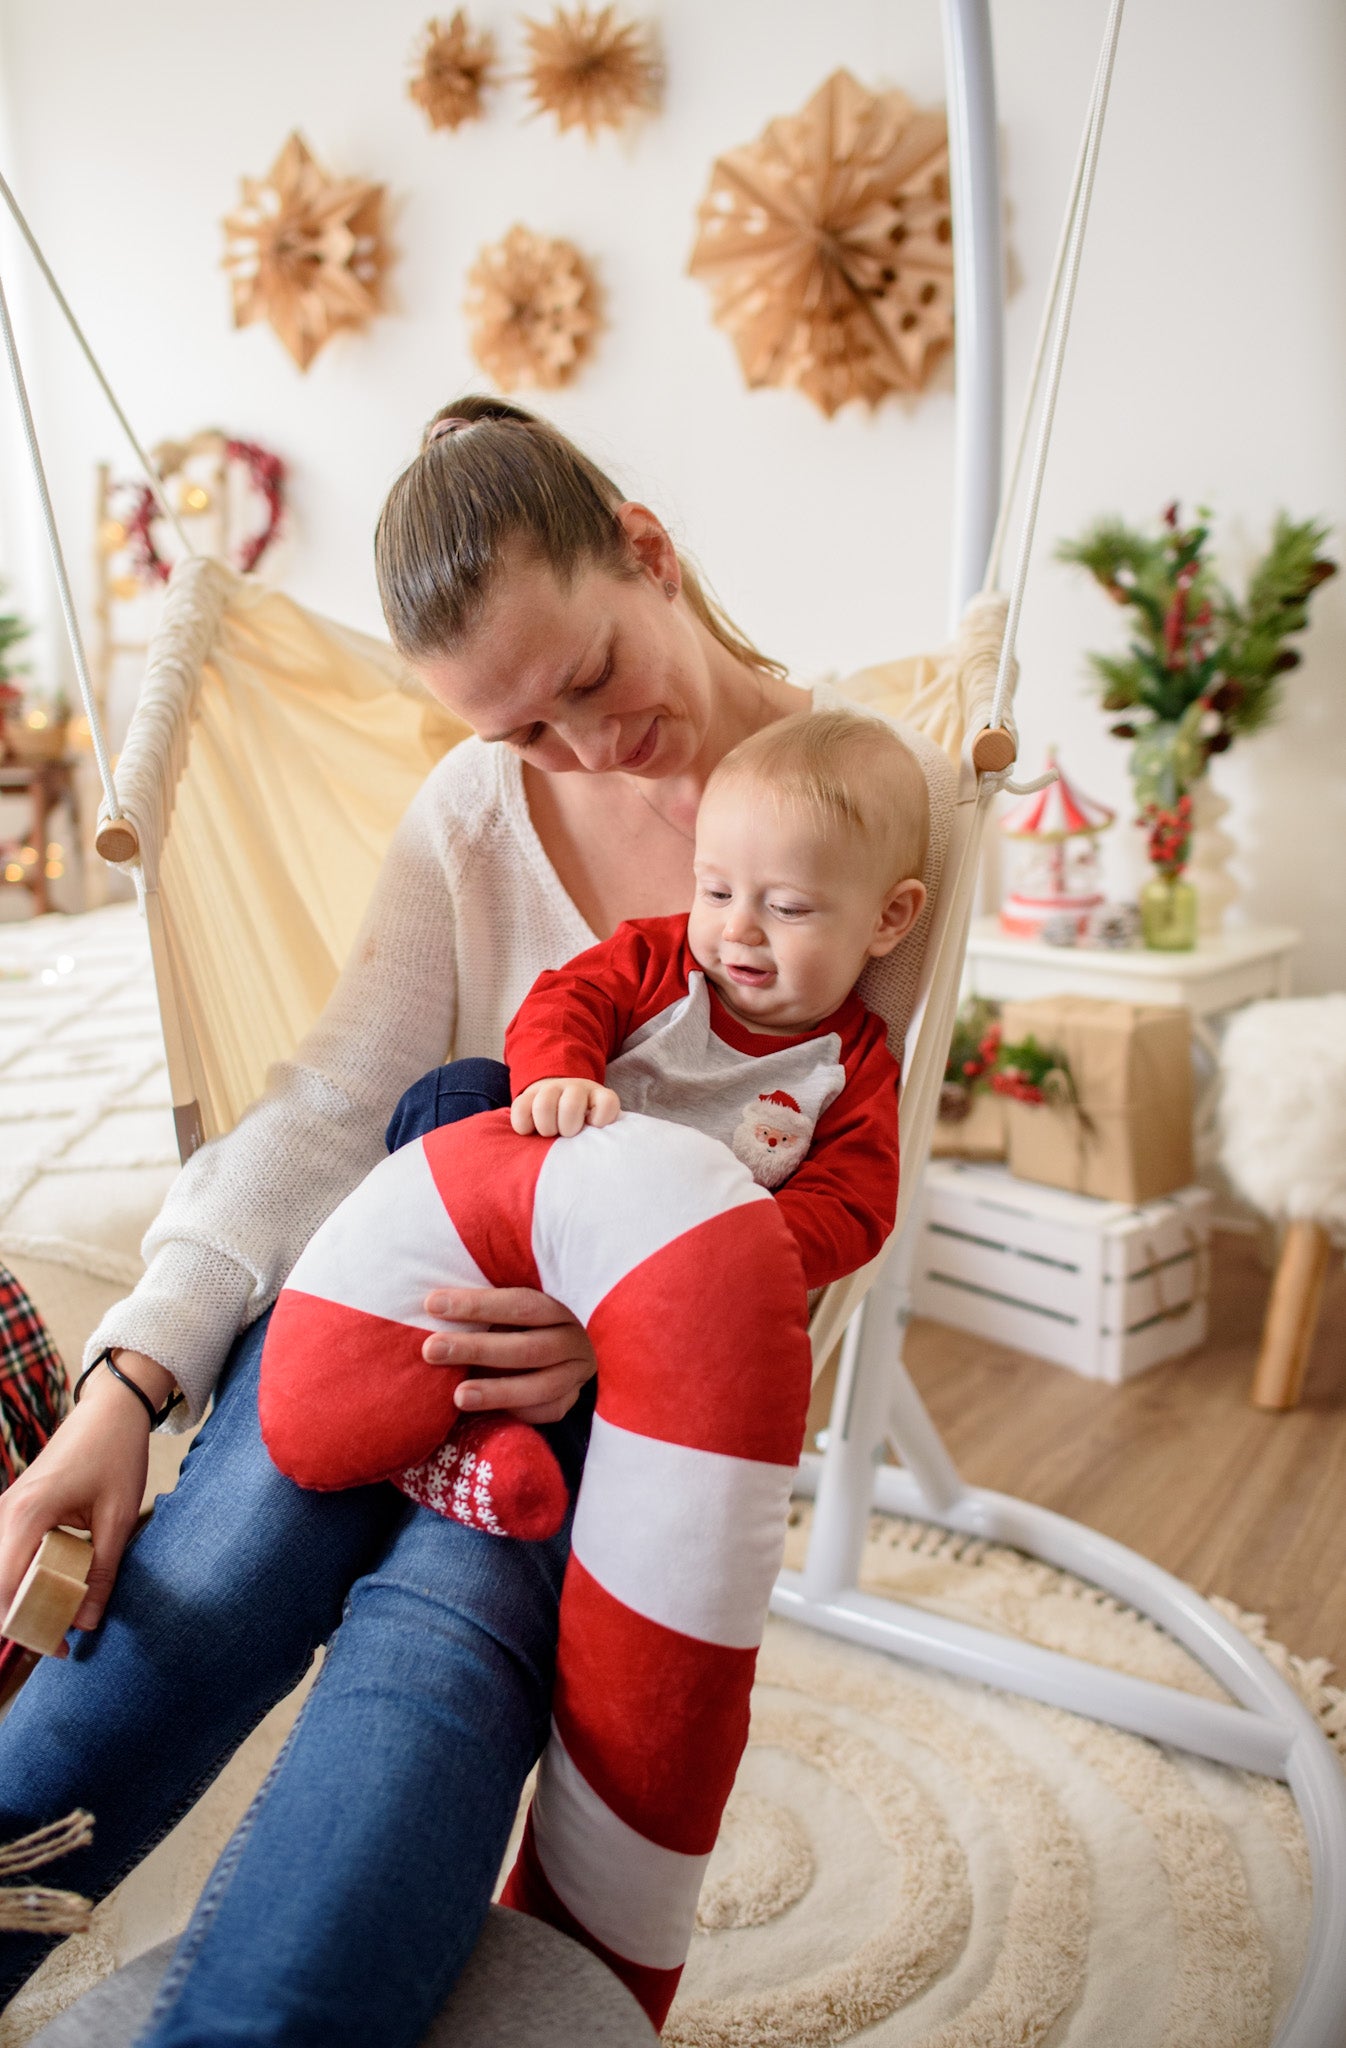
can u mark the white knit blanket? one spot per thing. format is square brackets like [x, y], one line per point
[86, 1126]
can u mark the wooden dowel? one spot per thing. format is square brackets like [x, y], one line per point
[118, 840]
[1292, 1316]
[993, 750]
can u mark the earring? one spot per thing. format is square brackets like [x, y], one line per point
[670, 590]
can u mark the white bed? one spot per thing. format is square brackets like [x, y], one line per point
[86, 1125]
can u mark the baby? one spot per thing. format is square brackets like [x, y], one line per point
[740, 1020]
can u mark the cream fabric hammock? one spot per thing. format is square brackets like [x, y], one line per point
[269, 759]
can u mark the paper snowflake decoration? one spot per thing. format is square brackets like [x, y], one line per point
[532, 310]
[306, 252]
[453, 69]
[592, 70]
[827, 245]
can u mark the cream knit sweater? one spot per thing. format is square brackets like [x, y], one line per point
[467, 912]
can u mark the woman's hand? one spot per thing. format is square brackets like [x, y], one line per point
[542, 1353]
[91, 1475]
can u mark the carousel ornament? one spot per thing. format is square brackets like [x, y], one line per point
[306, 252]
[532, 309]
[453, 69]
[1056, 891]
[827, 245]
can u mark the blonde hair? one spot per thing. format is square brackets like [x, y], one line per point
[504, 478]
[846, 770]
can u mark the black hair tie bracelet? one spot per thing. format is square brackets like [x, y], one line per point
[105, 1358]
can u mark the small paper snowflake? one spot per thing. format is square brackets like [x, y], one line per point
[453, 69]
[592, 70]
[532, 310]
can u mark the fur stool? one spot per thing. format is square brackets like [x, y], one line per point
[1283, 1145]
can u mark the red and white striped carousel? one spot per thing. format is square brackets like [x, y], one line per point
[1057, 887]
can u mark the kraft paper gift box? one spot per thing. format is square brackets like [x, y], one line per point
[1131, 1064]
[978, 1135]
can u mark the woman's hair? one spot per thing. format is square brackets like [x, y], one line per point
[847, 772]
[501, 480]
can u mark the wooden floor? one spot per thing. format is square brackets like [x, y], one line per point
[1175, 1464]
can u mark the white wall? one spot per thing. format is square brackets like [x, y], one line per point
[1206, 360]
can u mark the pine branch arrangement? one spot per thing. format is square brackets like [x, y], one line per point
[12, 632]
[1202, 667]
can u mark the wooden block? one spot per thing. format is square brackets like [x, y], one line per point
[50, 1593]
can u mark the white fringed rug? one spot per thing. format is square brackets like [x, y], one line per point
[914, 1862]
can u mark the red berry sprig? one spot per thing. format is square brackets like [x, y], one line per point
[1170, 834]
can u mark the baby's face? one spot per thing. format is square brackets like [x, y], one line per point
[786, 914]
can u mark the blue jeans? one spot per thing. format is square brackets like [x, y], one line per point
[354, 1889]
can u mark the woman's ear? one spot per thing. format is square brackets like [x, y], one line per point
[902, 906]
[650, 544]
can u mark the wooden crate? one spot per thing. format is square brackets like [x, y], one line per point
[1104, 1288]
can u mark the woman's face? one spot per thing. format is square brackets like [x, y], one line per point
[609, 674]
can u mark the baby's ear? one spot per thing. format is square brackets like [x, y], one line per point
[901, 908]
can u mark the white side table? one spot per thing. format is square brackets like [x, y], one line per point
[1222, 972]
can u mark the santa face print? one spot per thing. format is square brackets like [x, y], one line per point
[785, 913]
[772, 1137]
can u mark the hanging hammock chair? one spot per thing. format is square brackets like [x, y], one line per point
[269, 758]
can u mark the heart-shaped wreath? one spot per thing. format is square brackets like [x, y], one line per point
[267, 474]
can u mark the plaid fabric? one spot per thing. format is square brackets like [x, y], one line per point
[33, 1391]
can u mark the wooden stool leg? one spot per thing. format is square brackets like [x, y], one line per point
[1292, 1314]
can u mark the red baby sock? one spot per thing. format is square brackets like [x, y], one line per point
[492, 1473]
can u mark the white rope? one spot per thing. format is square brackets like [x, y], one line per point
[1029, 407]
[58, 563]
[1093, 137]
[151, 474]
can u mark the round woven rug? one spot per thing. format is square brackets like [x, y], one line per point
[917, 1862]
[909, 1859]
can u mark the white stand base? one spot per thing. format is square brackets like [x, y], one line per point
[1268, 1730]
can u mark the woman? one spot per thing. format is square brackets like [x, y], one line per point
[558, 620]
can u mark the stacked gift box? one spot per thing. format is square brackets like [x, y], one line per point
[1089, 1244]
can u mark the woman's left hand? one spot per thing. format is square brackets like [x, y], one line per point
[543, 1356]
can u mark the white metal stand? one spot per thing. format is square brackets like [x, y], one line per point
[1268, 1730]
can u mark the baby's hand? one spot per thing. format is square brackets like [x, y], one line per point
[560, 1108]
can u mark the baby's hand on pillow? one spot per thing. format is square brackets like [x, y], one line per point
[560, 1108]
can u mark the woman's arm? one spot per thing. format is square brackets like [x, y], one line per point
[91, 1475]
[244, 1206]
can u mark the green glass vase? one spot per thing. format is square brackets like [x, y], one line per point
[1168, 914]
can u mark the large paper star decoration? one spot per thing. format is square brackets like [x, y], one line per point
[827, 246]
[305, 251]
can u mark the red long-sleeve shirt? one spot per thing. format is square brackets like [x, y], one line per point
[637, 1011]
